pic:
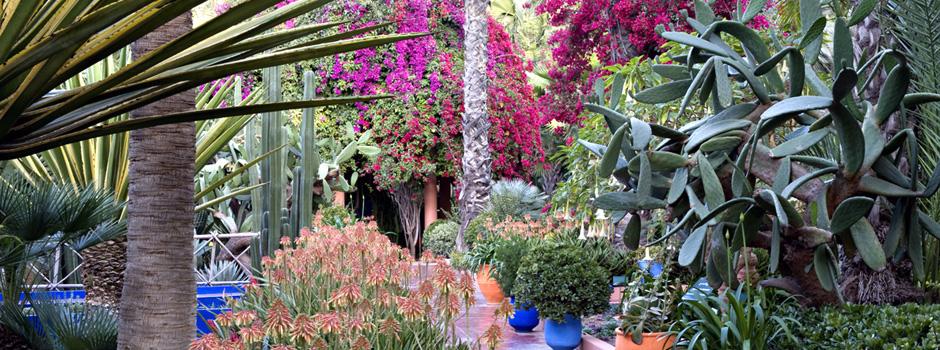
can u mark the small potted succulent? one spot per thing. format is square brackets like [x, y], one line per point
[564, 286]
[507, 258]
[646, 312]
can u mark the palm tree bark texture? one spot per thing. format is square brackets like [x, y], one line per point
[476, 181]
[157, 306]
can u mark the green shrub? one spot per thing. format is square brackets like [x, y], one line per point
[335, 216]
[506, 261]
[476, 229]
[441, 237]
[872, 327]
[558, 280]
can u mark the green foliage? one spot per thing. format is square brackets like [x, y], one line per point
[721, 167]
[441, 237]
[556, 278]
[336, 216]
[516, 199]
[506, 261]
[874, 327]
[617, 262]
[582, 182]
[481, 254]
[733, 320]
[476, 229]
[913, 23]
[62, 325]
[37, 220]
[649, 304]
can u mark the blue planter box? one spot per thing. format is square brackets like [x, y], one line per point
[210, 301]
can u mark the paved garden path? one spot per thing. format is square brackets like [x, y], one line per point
[481, 317]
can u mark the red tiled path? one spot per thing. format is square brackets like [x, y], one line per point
[481, 317]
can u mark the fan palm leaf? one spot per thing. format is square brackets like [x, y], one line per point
[35, 220]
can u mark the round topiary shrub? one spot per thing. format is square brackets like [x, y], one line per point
[558, 280]
[440, 237]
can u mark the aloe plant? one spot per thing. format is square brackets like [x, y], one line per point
[743, 176]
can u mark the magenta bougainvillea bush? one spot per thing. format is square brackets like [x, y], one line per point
[610, 32]
[419, 130]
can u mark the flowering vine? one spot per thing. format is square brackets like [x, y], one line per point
[419, 129]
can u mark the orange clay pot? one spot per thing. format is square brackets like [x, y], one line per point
[488, 286]
[651, 341]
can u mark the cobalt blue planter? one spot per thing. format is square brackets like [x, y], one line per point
[525, 316]
[211, 301]
[565, 335]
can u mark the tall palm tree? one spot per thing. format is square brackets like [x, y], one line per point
[159, 286]
[475, 185]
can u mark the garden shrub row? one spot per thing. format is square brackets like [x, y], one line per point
[908, 326]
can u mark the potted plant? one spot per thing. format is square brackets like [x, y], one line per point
[564, 286]
[648, 305]
[478, 259]
[507, 258]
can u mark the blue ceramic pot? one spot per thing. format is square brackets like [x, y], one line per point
[565, 335]
[524, 317]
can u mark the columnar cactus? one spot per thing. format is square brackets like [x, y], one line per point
[798, 175]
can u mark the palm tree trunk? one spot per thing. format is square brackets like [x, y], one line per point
[103, 268]
[475, 184]
[157, 306]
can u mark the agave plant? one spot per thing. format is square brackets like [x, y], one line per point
[743, 175]
[45, 43]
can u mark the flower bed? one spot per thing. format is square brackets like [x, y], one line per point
[344, 288]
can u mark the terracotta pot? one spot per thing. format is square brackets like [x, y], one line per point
[488, 286]
[651, 341]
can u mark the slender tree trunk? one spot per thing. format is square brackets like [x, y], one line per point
[157, 306]
[409, 211]
[476, 181]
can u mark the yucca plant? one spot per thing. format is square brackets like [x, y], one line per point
[742, 177]
[45, 43]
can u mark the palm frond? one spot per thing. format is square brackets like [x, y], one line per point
[38, 219]
[40, 52]
[916, 25]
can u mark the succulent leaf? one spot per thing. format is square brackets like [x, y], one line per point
[849, 211]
